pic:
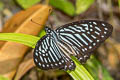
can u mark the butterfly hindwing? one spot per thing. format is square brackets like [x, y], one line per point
[84, 36]
[45, 57]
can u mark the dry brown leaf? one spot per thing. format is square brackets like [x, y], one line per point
[113, 58]
[25, 66]
[12, 53]
[117, 47]
[113, 54]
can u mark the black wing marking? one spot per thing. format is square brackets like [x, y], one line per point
[84, 36]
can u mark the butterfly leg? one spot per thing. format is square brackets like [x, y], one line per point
[70, 65]
[86, 57]
[79, 55]
[80, 58]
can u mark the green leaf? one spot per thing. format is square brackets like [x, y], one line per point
[27, 3]
[119, 3]
[96, 69]
[64, 5]
[42, 32]
[3, 78]
[25, 39]
[83, 5]
[1, 6]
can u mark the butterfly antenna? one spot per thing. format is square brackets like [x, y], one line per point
[51, 25]
[36, 23]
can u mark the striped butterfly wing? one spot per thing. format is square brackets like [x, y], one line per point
[84, 36]
[47, 55]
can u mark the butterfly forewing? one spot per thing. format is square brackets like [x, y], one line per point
[84, 36]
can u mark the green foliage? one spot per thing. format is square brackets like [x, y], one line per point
[3, 78]
[97, 70]
[28, 40]
[83, 5]
[42, 32]
[27, 3]
[64, 5]
[68, 8]
[1, 6]
[119, 3]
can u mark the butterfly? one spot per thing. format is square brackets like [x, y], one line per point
[79, 39]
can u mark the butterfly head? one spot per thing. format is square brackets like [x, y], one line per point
[48, 30]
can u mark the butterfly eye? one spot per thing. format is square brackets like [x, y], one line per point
[47, 29]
